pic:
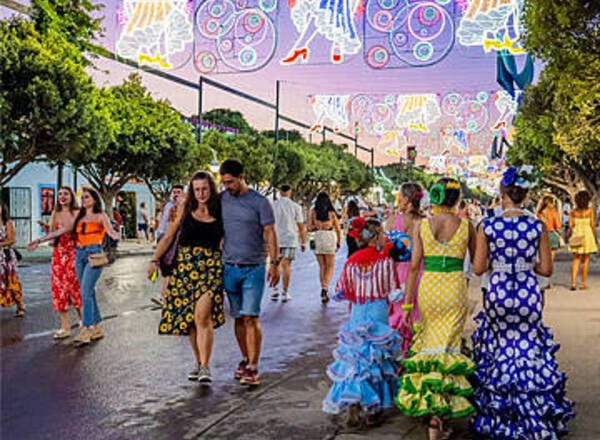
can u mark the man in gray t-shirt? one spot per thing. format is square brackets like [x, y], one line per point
[248, 221]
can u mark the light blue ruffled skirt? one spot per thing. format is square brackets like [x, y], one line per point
[364, 367]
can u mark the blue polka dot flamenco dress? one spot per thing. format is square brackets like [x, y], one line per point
[519, 390]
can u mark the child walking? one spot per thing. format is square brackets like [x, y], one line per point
[363, 372]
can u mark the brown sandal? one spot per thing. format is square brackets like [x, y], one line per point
[19, 313]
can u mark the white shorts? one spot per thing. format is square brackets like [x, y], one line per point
[287, 252]
[325, 242]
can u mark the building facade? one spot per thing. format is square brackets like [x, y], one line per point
[31, 196]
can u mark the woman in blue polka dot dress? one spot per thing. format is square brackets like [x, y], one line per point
[519, 390]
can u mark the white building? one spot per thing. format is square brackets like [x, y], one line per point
[31, 196]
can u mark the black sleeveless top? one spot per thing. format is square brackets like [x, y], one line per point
[203, 234]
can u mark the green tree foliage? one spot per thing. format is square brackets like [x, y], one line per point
[229, 118]
[558, 124]
[390, 177]
[330, 169]
[252, 149]
[290, 164]
[149, 140]
[47, 101]
[309, 168]
[72, 19]
[284, 135]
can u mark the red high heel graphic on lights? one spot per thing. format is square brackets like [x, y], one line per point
[298, 54]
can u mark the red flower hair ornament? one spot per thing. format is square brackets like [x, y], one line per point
[357, 224]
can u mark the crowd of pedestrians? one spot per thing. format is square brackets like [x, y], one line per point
[405, 277]
[407, 349]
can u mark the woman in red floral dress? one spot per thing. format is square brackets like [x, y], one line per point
[65, 288]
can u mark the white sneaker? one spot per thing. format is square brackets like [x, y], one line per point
[285, 297]
[275, 295]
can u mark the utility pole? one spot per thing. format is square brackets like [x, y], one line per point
[200, 119]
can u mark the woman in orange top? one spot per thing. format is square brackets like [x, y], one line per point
[547, 213]
[582, 242]
[90, 226]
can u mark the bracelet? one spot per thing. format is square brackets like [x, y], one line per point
[154, 261]
[407, 307]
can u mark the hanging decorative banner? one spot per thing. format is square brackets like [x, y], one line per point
[493, 25]
[156, 33]
[327, 31]
[417, 112]
[455, 125]
[401, 33]
[235, 35]
[507, 107]
[332, 109]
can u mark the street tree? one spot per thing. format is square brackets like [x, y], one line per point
[149, 140]
[290, 164]
[287, 135]
[330, 169]
[197, 157]
[252, 149]
[228, 118]
[73, 20]
[47, 101]
[558, 127]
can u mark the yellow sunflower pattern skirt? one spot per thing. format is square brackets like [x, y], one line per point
[198, 271]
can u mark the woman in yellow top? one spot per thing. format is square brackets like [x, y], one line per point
[582, 242]
[90, 226]
[434, 383]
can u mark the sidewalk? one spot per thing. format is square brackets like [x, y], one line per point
[288, 405]
[43, 253]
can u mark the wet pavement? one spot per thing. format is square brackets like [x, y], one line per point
[133, 383]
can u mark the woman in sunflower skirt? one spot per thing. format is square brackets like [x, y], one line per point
[194, 302]
[434, 381]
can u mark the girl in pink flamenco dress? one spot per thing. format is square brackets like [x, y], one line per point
[406, 221]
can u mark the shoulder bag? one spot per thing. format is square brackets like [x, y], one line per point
[167, 260]
[98, 260]
[576, 241]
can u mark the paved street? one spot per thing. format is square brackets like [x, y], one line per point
[133, 384]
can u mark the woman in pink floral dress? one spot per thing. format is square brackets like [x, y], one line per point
[406, 220]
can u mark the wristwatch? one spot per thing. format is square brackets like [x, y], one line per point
[275, 262]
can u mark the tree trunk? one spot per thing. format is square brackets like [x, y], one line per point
[108, 197]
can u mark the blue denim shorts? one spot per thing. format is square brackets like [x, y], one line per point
[244, 286]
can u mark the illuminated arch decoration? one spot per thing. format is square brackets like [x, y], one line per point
[417, 112]
[506, 106]
[234, 35]
[157, 33]
[318, 20]
[331, 108]
[373, 114]
[403, 33]
[493, 25]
